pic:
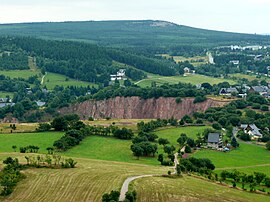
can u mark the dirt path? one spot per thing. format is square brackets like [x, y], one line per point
[42, 80]
[126, 183]
[124, 188]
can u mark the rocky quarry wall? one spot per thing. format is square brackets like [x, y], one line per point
[138, 108]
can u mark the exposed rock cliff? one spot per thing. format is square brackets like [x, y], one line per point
[137, 108]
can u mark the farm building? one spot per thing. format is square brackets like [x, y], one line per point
[214, 140]
[252, 130]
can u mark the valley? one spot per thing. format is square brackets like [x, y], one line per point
[86, 105]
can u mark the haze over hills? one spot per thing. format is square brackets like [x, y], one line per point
[147, 34]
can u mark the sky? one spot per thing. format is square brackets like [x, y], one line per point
[245, 16]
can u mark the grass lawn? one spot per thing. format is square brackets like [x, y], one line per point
[43, 140]
[52, 79]
[173, 134]
[191, 78]
[189, 189]
[245, 155]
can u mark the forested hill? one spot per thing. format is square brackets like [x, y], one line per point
[81, 61]
[143, 35]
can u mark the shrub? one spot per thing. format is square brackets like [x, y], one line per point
[264, 108]
[199, 99]
[178, 100]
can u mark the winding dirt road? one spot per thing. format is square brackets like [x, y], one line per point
[126, 183]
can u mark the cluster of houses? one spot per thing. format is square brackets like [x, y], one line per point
[215, 141]
[241, 91]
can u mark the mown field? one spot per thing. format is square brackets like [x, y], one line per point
[42, 140]
[105, 162]
[88, 182]
[189, 189]
[20, 127]
[191, 78]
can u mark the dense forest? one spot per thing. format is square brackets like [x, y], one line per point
[87, 62]
[142, 36]
[10, 61]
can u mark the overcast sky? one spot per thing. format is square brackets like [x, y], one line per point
[248, 16]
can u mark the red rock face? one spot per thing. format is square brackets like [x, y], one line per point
[137, 108]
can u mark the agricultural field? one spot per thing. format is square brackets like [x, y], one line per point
[42, 140]
[20, 127]
[51, 80]
[108, 148]
[106, 159]
[127, 123]
[189, 189]
[196, 61]
[191, 78]
[250, 77]
[87, 182]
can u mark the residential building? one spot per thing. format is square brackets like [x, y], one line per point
[252, 130]
[214, 140]
[228, 91]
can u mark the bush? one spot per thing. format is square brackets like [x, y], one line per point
[91, 118]
[178, 100]
[188, 149]
[113, 196]
[268, 145]
[42, 127]
[199, 99]
[256, 106]
[264, 108]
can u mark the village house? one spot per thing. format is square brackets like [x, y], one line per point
[214, 140]
[120, 75]
[235, 62]
[252, 130]
[228, 91]
[262, 90]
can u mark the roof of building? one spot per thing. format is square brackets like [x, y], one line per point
[260, 89]
[213, 137]
[254, 128]
[229, 90]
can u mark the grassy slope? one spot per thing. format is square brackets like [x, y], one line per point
[106, 148]
[43, 140]
[193, 79]
[189, 189]
[88, 182]
[245, 155]
[52, 79]
[250, 77]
